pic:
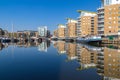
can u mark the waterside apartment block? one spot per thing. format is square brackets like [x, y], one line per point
[55, 33]
[61, 31]
[87, 24]
[71, 28]
[109, 18]
[104, 22]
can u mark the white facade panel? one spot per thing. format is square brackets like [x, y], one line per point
[110, 2]
[42, 31]
[87, 14]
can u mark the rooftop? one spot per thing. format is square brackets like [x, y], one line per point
[61, 26]
[79, 11]
[71, 20]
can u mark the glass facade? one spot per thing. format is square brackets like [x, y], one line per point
[107, 2]
[42, 31]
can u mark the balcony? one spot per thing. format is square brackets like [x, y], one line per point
[100, 17]
[101, 54]
[102, 21]
[79, 24]
[92, 22]
[92, 29]
[100, 66]
[101, 33]
[100, 29]
[100, 62]
[79, 21]
[100, 71]
[101, 57]
[100, 26]
[100, 9]
[102, 12]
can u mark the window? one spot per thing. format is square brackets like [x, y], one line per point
[109, 18]
[118, 17]
[114, 22]
[108, 2]
[109, 31]
[114, 17]
[110, 12]
[110, 27]
[109, 22]
[110, 9]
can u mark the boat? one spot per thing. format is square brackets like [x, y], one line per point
[89, 39]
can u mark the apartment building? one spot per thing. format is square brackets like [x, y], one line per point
[42, 31]
[109, 18]
[55, 33]
[87, 23]
[26, 34]
[71, 28]
[61, 31]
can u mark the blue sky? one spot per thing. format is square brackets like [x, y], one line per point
[30, 14]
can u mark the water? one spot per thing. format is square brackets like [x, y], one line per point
[58, 61]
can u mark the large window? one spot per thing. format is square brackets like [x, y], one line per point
[118, 17]
[108, 2]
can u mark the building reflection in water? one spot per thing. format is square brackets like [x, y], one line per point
[66, 48]
[3, 45]
[71, 51]
[25, 44]
[105, 60]
[43, 46]
[60, 47]
[86, 57]
[55, 44]
[109, 64]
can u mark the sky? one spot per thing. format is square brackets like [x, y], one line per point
[31, 14]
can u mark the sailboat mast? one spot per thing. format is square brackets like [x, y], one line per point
[12, 30]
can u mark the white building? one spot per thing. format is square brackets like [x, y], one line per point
[110, 2]
[42, 31]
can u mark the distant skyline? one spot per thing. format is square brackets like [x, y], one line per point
[31, 14]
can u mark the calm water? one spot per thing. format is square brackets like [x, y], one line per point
[58, 61]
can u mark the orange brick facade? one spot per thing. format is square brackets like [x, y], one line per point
[112, 19]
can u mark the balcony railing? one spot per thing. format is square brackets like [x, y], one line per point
[100, 17]
[100, 26]
[102, 12]
[101, 21]
[100, 29]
